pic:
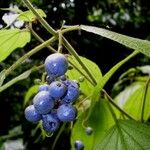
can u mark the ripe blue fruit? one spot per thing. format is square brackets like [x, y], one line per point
[57, 89]
[56, 65]
[72, 94]
[78, 145]
[72, 83]
[66, 113]
[63, 77]
[31, 114]
[44, 87]
[88, 130]
[50, 122]
[43, 102]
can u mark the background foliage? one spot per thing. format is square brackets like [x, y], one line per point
[125, 16]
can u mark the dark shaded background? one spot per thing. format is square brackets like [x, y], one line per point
[123, 16]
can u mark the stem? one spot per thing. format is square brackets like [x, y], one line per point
[41, 20]
[71, 28]
[115, 105]
[60, 41]
[144, 99]
[73, 52]
[40, 39]
[29, 54]
[58, 135]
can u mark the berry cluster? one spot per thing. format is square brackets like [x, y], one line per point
[53, 102]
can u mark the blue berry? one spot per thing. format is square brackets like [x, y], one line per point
[72, 94]
[50, 122]
[66, 113]
[31, 114]
[44, 87]
[72, 83]
[88, 130]
[57, 89]
[43, 102]
[78, 145]
[63, 78]
[56, 65]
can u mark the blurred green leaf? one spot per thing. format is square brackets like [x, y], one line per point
[131, 100]
[12, 39]
[15, 80]
[30, 93]
[142, 46]
[28, 16]
[126, 135]
[15, 131]
[144, 69]
[2, 77]
[100, 120]
[86, 87]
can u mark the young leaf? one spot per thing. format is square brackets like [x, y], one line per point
[15, 80]
[131, 100]
[126, 135]
[100, 120]
[86, 87]
[12, 39]
[142, 46]
[30, 93]
[28, 16]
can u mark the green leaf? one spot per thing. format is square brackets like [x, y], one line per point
[126, 135]
[86, 87]
[142, 46]
[100, 120]
[15, 80]
[131, 100]
[96, 93]
[28, 16]
[30, 93]
[2, 77]
[12, 39]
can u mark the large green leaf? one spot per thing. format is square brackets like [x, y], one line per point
[131, 100]
[100, 120]
[137, 44]
[126, 135]
[86, 87]
[29, 16]
[96, 92]
[12, 39]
